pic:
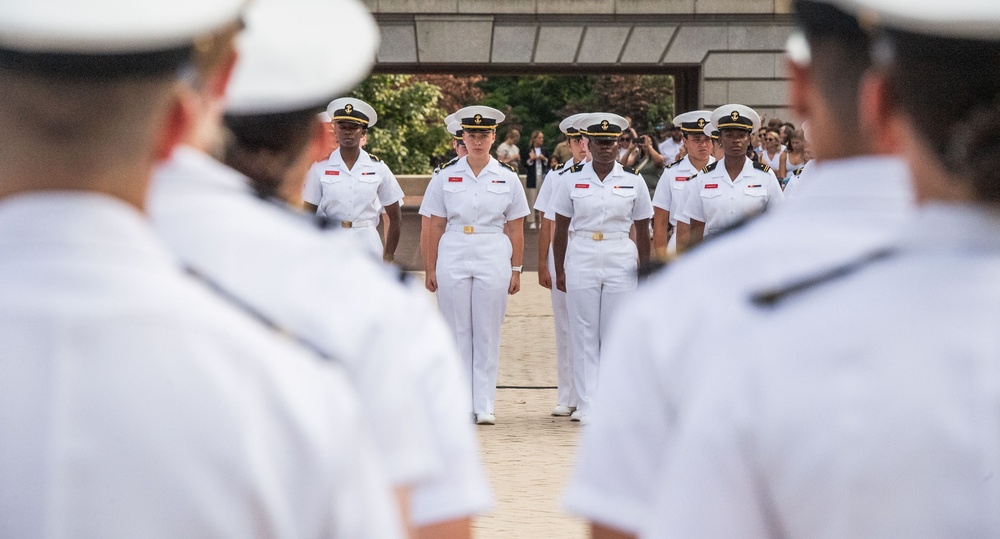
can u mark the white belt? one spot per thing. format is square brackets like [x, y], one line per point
[599, 236]
[475, 229]
[358, 224]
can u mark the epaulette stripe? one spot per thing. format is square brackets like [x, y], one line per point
[259, 316]
[770, 298]
[677, 162]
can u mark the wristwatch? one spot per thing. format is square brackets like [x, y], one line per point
[516, 268]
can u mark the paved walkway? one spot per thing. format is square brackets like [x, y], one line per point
[528, 453]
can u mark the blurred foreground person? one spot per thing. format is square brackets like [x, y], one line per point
[133, 401]
[865, 398]
[860, 202]
[229, 223]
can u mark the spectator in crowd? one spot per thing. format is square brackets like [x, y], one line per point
[561, 153]
[771, 156]
[507, 152]
[642, 157]
[672, 144]
[794, 158]
[536, 165]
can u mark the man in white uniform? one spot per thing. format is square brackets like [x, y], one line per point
[566, 394]
[675, 178]
[354, 187]
[859, 203]
[597, 267]
[865, 399]
[133, 401]
[321, 285]
[734, 188]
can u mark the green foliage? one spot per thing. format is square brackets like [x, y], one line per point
[410, 128]
[535, 102]
[410, 133]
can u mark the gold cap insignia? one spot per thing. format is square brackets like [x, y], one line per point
[348, 108]
[604, 125]
[478, 118]
[735, 115]
[701, 122]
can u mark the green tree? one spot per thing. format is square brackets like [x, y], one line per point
[410, 128]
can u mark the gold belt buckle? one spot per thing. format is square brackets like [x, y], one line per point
[468, 229]
[598, 236]
[346, 224]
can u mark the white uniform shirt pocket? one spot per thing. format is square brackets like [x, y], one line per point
[454, 187]
[331, 176]
[369, 176]
[499, 188]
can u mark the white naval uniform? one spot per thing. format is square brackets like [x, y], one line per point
[720, 202]
[566, 392]
[795, 181]
[135, 403]
[865, 406]
[849, 208]
[324, 287]
[354, 197]
[599, 272]
[473, 269]
[671, 192]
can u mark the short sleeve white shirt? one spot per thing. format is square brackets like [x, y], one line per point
[850, 208]
[720, 202]
[136, 403]
[837, 421]
[357, 194]
[549, 187]
[491, 199]
[610, 206]
[670, 189]
[318, 286]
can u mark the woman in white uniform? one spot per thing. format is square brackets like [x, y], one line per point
[354, 187]
[733, 188]
[475, 247]
[598, 266]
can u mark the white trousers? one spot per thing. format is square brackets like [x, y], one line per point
[368, 238]
[566, 393]
[672, 243]
[599, 275]
[473, 276]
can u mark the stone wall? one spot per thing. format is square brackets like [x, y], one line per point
[736, 44]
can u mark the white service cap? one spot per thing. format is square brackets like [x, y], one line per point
[569, 126]
[455, 128]
[603, 124]
[735, 116]
[959, 19]
[286, 62]
[353, 110]
[479, 118]
[109, 26]
[693, 121]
